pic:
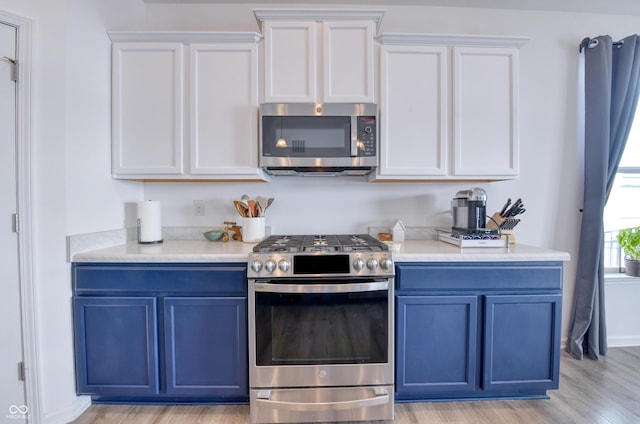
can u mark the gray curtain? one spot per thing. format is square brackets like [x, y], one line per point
[611, 94]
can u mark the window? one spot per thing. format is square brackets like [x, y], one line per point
[623, 207]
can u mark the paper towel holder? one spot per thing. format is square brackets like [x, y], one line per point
[145, 242]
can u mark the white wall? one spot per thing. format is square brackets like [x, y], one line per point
[621, 306]
[73, 192]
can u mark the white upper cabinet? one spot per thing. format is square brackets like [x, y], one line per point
[449, 107]
[322, 56]
[348, 57]
[290, 62]
[485, 93]
[413, 111]
[147, 108]
[185, 106]
[223, 96]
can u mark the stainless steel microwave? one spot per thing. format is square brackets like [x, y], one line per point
[318, 139]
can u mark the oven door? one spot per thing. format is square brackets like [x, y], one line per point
[321, 332]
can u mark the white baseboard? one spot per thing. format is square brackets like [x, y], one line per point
[69, 414]
[611, 342]
[623, 341]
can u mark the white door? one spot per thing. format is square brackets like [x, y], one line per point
[12, 390]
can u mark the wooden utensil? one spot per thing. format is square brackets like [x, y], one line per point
[240, 208]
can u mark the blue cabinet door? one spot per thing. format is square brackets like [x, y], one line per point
[436, 344]
[522, 342]
[205, 343]
[116, 345]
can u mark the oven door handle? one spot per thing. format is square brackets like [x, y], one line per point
[380, 397]
[321, 288]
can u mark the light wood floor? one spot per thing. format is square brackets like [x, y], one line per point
[603, 392]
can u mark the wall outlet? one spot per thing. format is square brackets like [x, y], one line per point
[198, 207]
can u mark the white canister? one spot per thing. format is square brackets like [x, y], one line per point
[253, 229]
[149, 222]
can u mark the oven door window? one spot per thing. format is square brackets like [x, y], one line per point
[321, 328]
[306, 136]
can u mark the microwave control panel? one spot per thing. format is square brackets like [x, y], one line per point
[367, 136]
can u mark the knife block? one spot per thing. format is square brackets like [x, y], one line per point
[495, 221]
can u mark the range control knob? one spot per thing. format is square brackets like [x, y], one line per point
[386, 264]
[270, 265]
[358, 264]
[372, 264]
[284, 265]
[256, 265]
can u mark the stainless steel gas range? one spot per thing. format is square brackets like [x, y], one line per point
[321, 329]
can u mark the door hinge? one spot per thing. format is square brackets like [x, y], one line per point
[21, 371]
[16, 222]
[14, 68]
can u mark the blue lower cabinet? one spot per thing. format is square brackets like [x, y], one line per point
[205, 342]
[163, 333]
[116, 345]
[477, 331]
[521, 342]
[436, 344]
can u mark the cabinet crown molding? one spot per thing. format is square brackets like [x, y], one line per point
[453, 40]
[185, 36]
[319, 15]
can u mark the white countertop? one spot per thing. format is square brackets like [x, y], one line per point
[438, 251]
[233, 251]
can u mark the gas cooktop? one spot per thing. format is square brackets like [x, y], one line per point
[320, 244]
[352, 255]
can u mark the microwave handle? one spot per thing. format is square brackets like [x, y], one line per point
[321, 288]
[354, 136]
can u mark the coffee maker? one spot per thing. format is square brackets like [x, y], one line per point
[469, 210]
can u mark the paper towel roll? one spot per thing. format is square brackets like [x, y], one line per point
[149, 222]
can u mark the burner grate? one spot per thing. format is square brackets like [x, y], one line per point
[320, 244]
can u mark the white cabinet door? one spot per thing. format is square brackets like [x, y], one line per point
[290, 62]
[319, 62]
[223, 110]
[485, 130]
[449, 107]
[413, 99]
[147, 108]
[348, 59]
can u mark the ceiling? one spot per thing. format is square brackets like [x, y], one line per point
[624, 7]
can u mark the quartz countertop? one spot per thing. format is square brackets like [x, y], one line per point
[410, 251]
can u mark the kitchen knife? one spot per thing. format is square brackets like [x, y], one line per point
[514, 208]
[504, 208]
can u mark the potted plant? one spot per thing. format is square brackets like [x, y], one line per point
[629, 241]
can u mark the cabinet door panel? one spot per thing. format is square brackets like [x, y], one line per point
[206, 346]
[290, 66]
[436, 344]
[116, 345]
[485, 110]
[522, 342]
[147, 109]
[224, 109]
[348, 62]
[414, 106]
